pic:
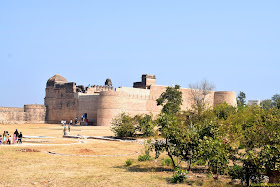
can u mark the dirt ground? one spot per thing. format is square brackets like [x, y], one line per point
[81, 162]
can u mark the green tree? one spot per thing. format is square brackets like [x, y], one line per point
[171, 100]
[276, 100]
[241, 99]
[145, 125]
[267, 104]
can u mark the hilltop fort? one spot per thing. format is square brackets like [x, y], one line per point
[65, 101]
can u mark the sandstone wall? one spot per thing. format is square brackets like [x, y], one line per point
[225, 96]
[112, 103]
[28, 114]
[88, 104]
[61, 103]
[35, 113]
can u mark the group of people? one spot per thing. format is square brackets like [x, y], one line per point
[65, 128]
[7, 138]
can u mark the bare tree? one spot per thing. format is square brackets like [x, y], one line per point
[199, 91]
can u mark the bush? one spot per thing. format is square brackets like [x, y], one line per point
[166, 162]
[123, 126]
[144, 157]
[236, 172]
[179, 176]
[128, 162]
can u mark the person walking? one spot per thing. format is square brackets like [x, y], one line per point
[69, 125]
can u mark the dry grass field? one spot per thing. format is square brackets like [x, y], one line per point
[82, 162]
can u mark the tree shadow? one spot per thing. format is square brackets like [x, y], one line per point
[138, 168]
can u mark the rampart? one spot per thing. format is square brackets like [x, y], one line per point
[28, 114]
[101, 103]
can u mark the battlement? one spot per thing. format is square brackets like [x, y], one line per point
[98, 88]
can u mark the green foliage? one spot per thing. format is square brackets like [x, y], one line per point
[241, 99]
[270, 155]
[144, 157]
[166, 162]
[236, 172]
[276, 100]
[146, 124]
[179, 176]
[123, 125]
[267, 104]
[252, 167]
[171, 100]
[215, 153]
[128, 162]
[223, 111]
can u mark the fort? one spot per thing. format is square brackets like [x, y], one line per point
[65, 101]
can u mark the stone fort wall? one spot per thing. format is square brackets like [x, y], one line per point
[110, 104]
[28, 114]
[65, 101]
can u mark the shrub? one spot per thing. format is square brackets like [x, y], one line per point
[128, 162]
[166, 162]
[123, 126]
[144, 157]
[179, 176]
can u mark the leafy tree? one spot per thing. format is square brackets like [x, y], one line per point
[171, 127]
[214, 152]
[276, 100]
[171, 100]
[267, 104]
[146, 124]
[241, 99]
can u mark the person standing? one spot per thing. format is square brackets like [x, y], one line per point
[69, 125]
[64, 129]
[8, 139]
[15, 136]
[76, 120]
[4, 137]
[20, 138]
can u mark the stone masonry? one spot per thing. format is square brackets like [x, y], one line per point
[65, 100]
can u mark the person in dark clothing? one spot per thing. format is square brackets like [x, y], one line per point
[16, 133]
[15, 137]
[20, 138]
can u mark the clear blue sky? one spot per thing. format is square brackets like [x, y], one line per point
[234, 44]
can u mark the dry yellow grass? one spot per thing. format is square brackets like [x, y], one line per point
[42, 169]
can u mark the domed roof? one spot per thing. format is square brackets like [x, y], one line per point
[108, 82]
[56, 79]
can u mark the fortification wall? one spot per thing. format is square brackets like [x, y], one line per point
[225, 96]
[111, 103]
[35, 113]
[61, 104]
[88, 104]
[11, 115]
[28, 114]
